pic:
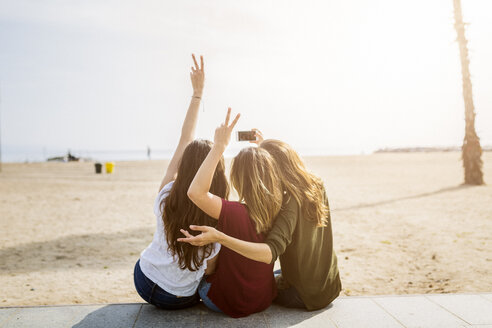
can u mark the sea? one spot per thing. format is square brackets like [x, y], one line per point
[42, 154]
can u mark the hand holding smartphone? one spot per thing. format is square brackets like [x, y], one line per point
[253, 136]
[246, 135]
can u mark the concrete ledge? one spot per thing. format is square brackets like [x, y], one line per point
[437, 310]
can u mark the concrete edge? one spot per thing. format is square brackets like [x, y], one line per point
[340, 297]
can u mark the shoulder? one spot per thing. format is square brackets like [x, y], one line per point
[163, 193]
[234, 204]
[234, 218]
[289, 213]
[289, 205]
[234, 208]
[166, 189]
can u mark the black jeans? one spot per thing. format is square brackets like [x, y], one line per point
[153, 294]
[287, 296]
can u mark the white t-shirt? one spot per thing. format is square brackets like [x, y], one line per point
[161, 267]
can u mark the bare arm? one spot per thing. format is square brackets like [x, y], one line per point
[260, 252]
[212, 205]
[197, 76]
[198, 192]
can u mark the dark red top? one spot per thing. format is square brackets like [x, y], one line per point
[240, 286]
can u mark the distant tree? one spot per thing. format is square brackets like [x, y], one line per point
[471, 151]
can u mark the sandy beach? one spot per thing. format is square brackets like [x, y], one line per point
[403, 224]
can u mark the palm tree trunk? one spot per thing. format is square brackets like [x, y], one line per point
[471, 151]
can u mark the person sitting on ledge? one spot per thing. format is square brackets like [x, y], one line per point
[301, 236]
[168, 273]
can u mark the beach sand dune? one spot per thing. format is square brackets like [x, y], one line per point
[403, 224]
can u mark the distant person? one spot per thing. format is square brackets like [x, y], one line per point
[72, 158]
[168, 273]
[148, 152]
[301, 236]
[240, 286]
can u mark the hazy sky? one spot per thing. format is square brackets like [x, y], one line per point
[332, 76]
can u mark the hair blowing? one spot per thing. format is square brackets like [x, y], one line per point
[179, 211]
[255, 177]
[306, 188]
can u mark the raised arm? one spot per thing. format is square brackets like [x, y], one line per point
[197, 76]
[260, 252]
[198, 192]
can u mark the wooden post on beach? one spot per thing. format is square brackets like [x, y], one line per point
[0, 128]
[471, 151]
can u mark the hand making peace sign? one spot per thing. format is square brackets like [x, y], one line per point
[224, 131]
[197, 76]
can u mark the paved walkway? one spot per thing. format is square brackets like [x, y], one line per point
[444, 310]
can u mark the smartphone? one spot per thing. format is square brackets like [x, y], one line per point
[245, 136]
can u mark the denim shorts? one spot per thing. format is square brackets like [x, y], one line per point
[203, 289]
[153, 294]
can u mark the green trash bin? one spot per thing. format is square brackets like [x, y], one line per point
[98, 167]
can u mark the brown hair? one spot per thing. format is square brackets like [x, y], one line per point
[254, 175]
[306, 188]
[178, 211]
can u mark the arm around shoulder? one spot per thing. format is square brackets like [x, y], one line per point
[260, 252]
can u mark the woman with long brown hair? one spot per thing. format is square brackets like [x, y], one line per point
[168, 273]
[239, 286]
[301, 236]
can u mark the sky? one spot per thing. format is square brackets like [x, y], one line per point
[328, 77]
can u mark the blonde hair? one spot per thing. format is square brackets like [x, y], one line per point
[306, 188]
[255, 177]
